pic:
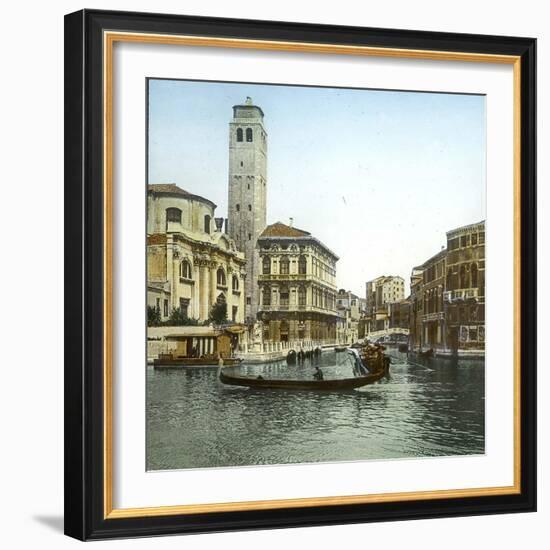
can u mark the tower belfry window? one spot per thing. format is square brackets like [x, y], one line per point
[239, 134]
[249, 134]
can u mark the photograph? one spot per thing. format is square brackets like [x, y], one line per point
[315, 274]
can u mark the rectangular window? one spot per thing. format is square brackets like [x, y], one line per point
[166, 308]
[248, 300]
[184, 306]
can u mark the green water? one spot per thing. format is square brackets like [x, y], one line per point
[428, 407]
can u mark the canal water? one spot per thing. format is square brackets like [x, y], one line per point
[427, 407]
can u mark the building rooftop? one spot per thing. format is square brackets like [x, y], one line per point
[465, 228]
[282, 230]
[173, 189]
[247, 105]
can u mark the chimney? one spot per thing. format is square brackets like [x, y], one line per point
[290, 222]
[219, 224]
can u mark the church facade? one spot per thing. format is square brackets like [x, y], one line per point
[191, 263]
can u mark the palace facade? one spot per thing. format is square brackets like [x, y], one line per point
[297, 286]
[191, 263]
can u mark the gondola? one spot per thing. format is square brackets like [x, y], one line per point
[263, 383]
[375, 369]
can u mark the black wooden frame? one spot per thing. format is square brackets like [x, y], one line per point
[84, 518]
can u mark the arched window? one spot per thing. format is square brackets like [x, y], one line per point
[302, 265]
[235, 283]
[249, 134]
[185, 270]
[284, 296]
[302, 296]
[449, 278]
[473, 276]
[238, 207]
[239, 134]
[284, 266]
[173, 215]
[220, 277]
[207, 223]
[463, 277]
[266, 265]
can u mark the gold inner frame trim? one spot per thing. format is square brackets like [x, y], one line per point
[109, 39]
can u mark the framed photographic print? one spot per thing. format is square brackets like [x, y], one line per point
[300, 274]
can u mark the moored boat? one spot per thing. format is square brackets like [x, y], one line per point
[167, 360]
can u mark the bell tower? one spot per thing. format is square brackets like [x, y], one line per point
[248, 191]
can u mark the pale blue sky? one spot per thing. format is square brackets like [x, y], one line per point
[378, 176]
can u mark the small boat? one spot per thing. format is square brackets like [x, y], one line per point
[166, 360]
[340, 348]
[427, 353]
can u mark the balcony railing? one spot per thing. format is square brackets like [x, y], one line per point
[296, 307]
[275, 277]
[461, 295]
[437, 316]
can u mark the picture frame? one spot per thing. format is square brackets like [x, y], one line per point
[90, 161]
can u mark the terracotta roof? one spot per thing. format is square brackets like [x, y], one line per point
[173, 189]
[281, 230]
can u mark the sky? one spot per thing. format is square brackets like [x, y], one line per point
[378, 176]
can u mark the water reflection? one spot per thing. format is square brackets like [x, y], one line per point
[427, 407]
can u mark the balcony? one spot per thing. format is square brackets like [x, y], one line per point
[437, 316]
[461, 295]
[295, 307]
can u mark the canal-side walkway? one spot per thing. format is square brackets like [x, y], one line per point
[267, 352]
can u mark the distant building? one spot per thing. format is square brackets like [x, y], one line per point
[381, 292]
[448, 296]
[349, 307]
[191, 262]
[297, 286]
[400, 315]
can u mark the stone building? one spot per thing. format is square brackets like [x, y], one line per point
[348, 305]
[381, 292]
[448, 297]
[248, 191]
[431, 312]
[400, 315]
[464, 297]
[191, 262]
[297, 286]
